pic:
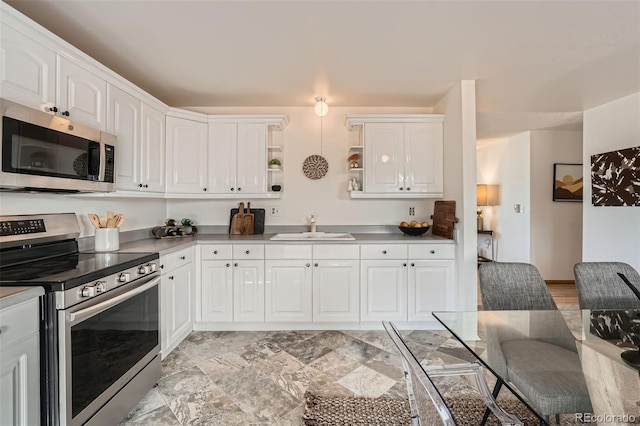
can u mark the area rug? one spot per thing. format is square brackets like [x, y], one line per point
[357, 411]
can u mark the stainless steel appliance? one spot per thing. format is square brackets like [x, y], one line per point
[100, 319]
[46, 152]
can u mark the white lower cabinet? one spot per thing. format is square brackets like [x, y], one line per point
[248, 290]
[177, 287]
[216, 299]
[20, 365]
[336, 290]
[288, 290]
[383, 290]
[431, 288]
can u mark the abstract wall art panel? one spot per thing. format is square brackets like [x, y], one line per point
[615, 178]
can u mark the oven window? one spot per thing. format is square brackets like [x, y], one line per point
[105, 346]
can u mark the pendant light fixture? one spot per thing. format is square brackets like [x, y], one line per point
[316, 166]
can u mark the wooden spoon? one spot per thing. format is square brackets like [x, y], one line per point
[95, 220]
[120, 217]
[111, 220]
[103, 222]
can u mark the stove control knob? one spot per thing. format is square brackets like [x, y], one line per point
[88, 291]
[101, 286]
[124, 277]
[143, 270]
[153, 267]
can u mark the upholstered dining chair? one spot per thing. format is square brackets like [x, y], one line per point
[520, 355]
[506, 286]
[600, 287]
[426, 402]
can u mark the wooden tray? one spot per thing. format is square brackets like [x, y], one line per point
[444, 218]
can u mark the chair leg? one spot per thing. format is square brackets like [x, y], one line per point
[496, 391]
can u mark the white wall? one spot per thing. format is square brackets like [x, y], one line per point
[140, 213]
[506, 163]
[556, 227]
[610, 233]
[326, 198]
[459, 108]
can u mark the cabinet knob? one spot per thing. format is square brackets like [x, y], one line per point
[146, 186]
[182, 258]
[235, 264]
[247, 252]
[53, 109]
[215, 252]
[401, 188]
[233, 189]
[384, 252]
[161, 266]
[65, 113]
[408, 188]
[140, 185]
[171, 277]
[228, 264]
[204, 189]
[413, 264]
[404, 264]
[308, 264]
[239, 189]
[432, 252]
[315, 264]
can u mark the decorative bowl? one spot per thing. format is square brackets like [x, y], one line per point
[414, 232]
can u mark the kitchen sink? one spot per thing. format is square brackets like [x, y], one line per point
[313, 236]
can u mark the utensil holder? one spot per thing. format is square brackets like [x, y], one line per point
[107, 239]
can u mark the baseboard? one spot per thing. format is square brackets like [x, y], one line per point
[572, 282]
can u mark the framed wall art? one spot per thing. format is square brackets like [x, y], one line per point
[567, 182]
[615, 178]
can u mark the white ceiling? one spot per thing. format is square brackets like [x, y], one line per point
[537, 64]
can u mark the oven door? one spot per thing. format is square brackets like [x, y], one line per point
[103, 344]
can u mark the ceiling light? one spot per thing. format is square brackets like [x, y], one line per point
[321, 107]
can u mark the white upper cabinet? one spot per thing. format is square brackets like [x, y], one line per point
[238, 154]
[403, 155]
[124, 120]
[27, 69]
[186, 156]
[152, 178]
[82, 95]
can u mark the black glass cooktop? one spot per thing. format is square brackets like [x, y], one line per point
[70, 270]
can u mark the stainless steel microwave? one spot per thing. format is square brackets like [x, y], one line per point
[44, 152]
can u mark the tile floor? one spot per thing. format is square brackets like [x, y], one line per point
[259, 378]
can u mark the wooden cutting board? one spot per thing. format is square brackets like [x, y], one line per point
[237, 221]
[247, 221]
[444, 218]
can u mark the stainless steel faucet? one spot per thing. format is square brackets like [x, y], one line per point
[312, 224]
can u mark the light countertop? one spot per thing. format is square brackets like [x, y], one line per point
[10, 296]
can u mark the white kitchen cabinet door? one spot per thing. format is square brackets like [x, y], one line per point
[251, 158]
[186, 156]
[124, 120]
[177, 289]
[20, 382]
[424, 158]
[383, 290]
[27, 70]
[222, 158]
[216, 302]
[384, 158]
[81, 94]
[248, 291]
[431, 288]
[336, 290]
[288, 290]
[152, 178]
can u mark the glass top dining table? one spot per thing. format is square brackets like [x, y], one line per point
[606, 342]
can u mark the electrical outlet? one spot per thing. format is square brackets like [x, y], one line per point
[274, 211]
[412, 211]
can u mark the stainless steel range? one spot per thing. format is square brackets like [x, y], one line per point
[99, 345]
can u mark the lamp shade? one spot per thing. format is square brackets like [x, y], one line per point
[321, 107]
[482, 194]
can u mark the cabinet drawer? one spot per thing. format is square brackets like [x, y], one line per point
[288, 251]
[248, 251]
[18, 321]
[336, 251]
[176, 259]
[431, 251]
[383, 251]
[213, 252]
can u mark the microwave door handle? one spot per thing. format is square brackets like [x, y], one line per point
[83, 314]
[103, 162]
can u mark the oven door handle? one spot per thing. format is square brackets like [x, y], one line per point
[83, 314]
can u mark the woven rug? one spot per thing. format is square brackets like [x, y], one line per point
[357, 411]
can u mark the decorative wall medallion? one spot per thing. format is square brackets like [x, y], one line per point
[315, 167]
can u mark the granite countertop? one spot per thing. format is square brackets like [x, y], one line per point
[10, 296]
[167, 245]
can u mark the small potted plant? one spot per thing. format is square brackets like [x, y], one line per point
[274, 163]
